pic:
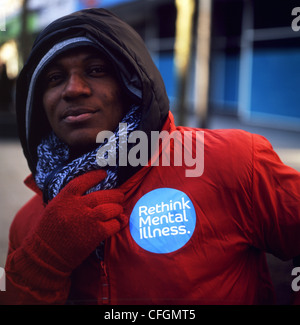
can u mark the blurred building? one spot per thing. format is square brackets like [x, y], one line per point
[253, 58]
[255, 68]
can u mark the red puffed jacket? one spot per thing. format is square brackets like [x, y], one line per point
[198, 229]
[193, 240]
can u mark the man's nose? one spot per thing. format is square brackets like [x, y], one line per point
[76, 86]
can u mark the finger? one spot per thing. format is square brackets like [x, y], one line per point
[111, 228]
[107, 211]
[83, 183]
[123, 219]
[102, 197]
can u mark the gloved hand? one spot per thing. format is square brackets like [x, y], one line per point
[71, 228]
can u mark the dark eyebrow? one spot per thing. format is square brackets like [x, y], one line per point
[52, 65]
[55, 64]
[95, 56]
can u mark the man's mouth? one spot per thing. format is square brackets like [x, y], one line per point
[76, 115]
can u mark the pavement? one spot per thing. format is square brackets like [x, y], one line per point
[13, 193]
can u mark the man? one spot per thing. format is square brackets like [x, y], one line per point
[126, 233]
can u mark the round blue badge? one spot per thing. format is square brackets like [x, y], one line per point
[163, 220]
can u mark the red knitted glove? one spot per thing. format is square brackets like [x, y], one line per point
[71, 228]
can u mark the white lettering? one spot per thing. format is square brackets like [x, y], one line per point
[185, 204]
[151, 216]
[166, 148]
[127, 315]
[123, 144]
[172, 314]
[149, 232]
[296, 280]
[106, 155]
[198, 161]
[138, 155]
[296, 12]
[142, 209]
[2, 279]
[147, 221]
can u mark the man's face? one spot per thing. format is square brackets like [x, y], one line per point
[81, 97]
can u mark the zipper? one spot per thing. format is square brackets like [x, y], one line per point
[103, 298]
[104, 295]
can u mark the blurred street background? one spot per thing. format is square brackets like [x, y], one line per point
[225, 63]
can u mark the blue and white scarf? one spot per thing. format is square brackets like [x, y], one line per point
[53, 171]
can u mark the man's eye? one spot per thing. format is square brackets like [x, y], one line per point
[54, 78]
[98, 70]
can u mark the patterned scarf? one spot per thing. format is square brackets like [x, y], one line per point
[53, 170]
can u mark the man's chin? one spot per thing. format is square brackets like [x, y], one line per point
[79, 150]
[81, 143]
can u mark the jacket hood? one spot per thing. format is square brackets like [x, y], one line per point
[124, 48]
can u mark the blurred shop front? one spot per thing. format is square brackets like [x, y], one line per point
[255, 68]
[254, 57]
